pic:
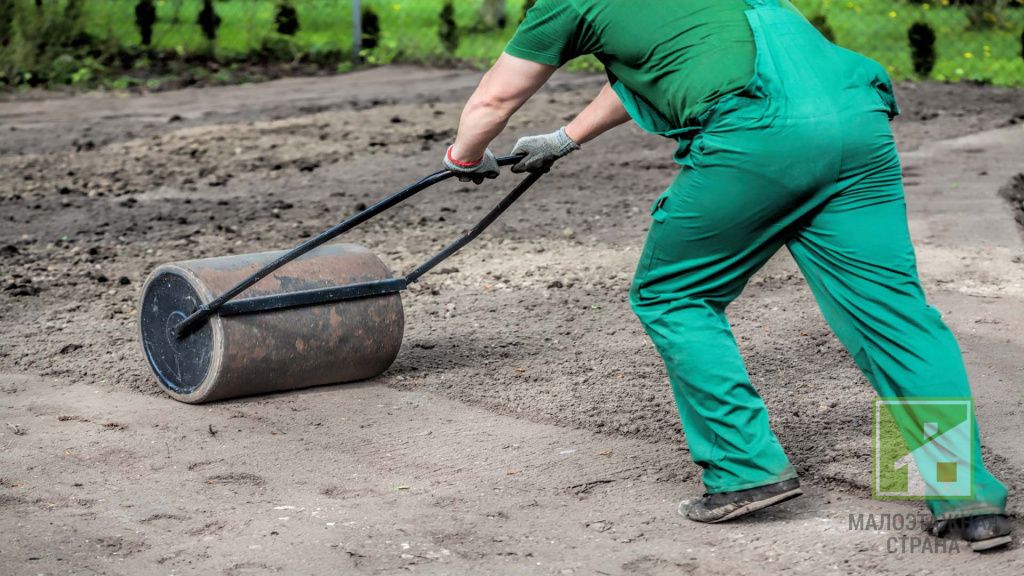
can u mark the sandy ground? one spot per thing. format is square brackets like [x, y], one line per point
[526, 427]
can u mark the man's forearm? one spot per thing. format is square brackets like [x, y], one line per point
[604, 113]
[541, 152]
[482, 120]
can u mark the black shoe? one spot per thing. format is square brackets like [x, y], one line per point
[724, 506]
[982, 533]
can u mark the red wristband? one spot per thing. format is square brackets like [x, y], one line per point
[462, 164]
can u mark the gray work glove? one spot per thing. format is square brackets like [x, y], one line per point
[542, 151]
[476, 172]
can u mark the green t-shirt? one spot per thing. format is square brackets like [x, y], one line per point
[679, 56]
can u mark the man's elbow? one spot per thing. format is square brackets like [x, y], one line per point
[499, 93]
[496, 103]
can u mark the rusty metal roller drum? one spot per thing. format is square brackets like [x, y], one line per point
[313, 315]
[282, 349]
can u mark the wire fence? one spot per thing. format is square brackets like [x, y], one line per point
[946, 40]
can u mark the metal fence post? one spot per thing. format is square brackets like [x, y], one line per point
[357, 29]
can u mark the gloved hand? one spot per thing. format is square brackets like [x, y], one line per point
[542, 151]
[476, 172]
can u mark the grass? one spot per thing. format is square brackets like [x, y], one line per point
[409, 27]
[244, 25]
[879, 29]
[876, 28]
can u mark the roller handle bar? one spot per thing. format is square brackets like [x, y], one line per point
[225, 305]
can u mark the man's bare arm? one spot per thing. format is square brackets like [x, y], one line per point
[502, 91]
[541, 152]
[601, 115]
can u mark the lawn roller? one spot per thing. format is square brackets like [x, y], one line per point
[235, 326]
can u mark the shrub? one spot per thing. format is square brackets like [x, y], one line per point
[371, 29]
[922, 48]
[6, 21]
[286, 19]
[208, 20]
[821, 23]
[145, 17]
[73, 70]
[448, 30]
[38, 37]
[277, 49]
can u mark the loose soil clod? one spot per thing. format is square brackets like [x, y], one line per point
[1014, 194]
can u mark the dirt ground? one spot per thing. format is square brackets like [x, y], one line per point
[527, 425]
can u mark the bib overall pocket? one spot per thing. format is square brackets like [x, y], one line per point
[658, 214]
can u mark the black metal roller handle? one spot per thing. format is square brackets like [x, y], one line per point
[205, 311]
[510, 160]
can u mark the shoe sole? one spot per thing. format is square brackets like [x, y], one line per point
[983, 545]
[755, 506]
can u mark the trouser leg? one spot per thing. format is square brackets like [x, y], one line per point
[857, 257]
[718, 224]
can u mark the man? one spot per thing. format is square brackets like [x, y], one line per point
[784, 139]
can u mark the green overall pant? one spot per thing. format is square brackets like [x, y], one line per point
[802, 157]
